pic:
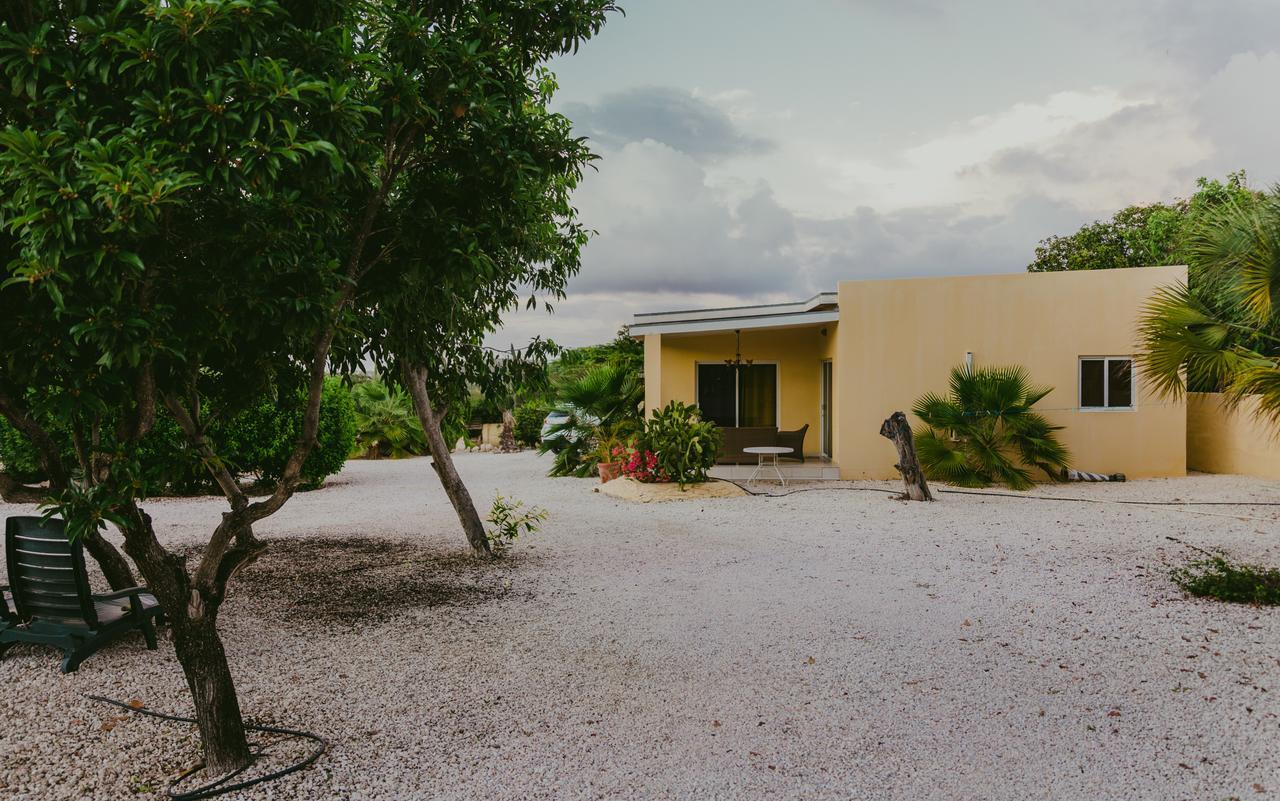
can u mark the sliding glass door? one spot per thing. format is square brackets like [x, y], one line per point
[718, 394]
[743, 396]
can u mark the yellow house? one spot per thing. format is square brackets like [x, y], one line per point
[841, 362]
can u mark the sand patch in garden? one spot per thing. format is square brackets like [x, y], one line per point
[628, 489]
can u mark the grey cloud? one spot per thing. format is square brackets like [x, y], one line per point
[1139, 154]
[1239, 116]
[1023, 162]
[674, 117]
[672, 234]
[1206, 35]
[930, 241]
[909, 8]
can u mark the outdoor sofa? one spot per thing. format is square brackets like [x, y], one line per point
[736, 439]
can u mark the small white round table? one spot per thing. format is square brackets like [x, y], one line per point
[767, 456]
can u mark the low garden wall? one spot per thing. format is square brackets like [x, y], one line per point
[1223, 441]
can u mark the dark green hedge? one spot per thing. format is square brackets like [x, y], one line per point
[255, 444]
[529, 419]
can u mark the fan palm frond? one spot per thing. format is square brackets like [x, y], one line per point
[984, 430]
[605, 398]
[945, 461]
[1178, 333]
[1222, 333]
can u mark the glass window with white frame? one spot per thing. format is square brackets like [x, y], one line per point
[1106, 382]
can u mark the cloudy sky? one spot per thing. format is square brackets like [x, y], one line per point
[758, 151]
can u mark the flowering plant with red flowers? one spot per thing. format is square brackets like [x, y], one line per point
[642, 465]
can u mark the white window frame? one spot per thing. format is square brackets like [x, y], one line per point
[777, 389]
[1106, 384]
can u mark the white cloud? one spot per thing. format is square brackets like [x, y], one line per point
[741, 181]
[1238, 112]
[937, 171]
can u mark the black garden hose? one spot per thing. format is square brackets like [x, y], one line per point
[997, 494]
[220, 786]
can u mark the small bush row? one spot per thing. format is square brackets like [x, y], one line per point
[255, 444]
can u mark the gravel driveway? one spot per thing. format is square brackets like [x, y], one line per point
[828, 644]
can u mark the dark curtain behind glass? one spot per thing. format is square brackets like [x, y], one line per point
[1120, 383]
[1092, 392]
[758, 395]
[715, 393]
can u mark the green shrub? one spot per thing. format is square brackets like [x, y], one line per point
[529, 418]
[685, 444]
[456, 424]
[254, 443]
[985, 431]
[18, 455]
[334, 438]
[1216, 577]
[174, 467]
[510, 519]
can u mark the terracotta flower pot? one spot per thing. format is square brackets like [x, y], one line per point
[609, 471]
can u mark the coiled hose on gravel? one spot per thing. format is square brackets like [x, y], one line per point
[220, 786]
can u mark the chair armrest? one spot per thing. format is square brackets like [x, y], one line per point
[127, 592]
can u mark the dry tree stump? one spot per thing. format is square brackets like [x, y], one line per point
[898, 430]
[507, 442]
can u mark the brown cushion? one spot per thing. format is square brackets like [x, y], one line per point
[735, 439]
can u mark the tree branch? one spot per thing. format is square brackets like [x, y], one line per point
[47, 451]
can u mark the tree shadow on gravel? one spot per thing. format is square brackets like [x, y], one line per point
[366, 580]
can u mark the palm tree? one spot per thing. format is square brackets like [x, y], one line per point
[984, 431]
[385, 422]
[605, 401]
[1222, 331]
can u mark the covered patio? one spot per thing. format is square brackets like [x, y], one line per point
[764, 374]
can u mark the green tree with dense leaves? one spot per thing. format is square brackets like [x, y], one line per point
[1136, 236]
[482, 223]
[986, 431]
[192, 195]
[163, 169]
[1223, 334]
[1142, 236]
[623, 350]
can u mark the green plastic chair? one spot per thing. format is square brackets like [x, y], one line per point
[52, 603]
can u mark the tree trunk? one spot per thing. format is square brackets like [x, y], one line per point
[204, 662]
[472, 525]
[897, 429]
[507, 443]
[192, 618]
[114, 566]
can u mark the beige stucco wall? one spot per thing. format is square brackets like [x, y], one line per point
[1220, 440]
[671, 360]
[899, 339]
[652, 374]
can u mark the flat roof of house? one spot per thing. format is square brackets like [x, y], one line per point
[821, 308]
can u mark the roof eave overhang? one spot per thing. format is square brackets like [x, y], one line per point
[745, 323]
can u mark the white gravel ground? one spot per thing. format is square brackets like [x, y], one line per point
[824, 645]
